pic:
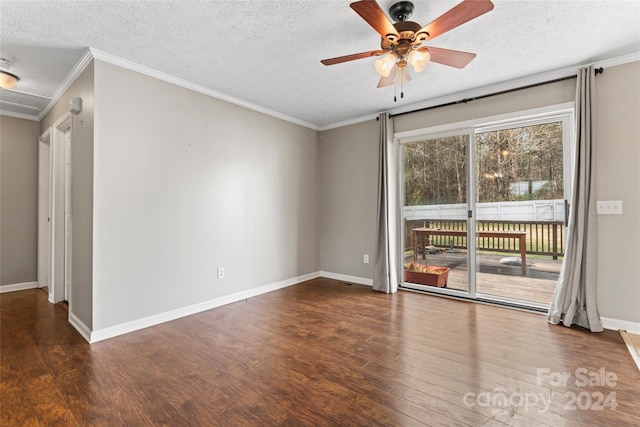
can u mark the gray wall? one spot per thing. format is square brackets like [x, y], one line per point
[185, 183]
[348, 164]
[346, 152]
[18, 200]
[618, 178]
[81, 300]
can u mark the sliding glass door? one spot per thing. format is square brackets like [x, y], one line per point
[483, 209]
[520, 210]
[435, 213]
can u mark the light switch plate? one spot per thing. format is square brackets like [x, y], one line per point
[611, 207]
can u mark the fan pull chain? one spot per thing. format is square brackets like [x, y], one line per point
[395, 88]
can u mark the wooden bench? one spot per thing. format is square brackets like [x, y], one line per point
[426, 233]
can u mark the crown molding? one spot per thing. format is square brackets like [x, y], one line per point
[92, 53]
[348, 122]
[17, 104]
[151, 72]
[22, 92]
[19, 115]
[68, 81]
[620, 60]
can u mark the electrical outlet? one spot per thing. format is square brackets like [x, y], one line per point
[366, 259]
[220, 272]
[612, 207]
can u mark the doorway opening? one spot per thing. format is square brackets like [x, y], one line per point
[54, 210]
[45, 203]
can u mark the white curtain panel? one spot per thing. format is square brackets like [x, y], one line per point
[385, 268]
[574, 301]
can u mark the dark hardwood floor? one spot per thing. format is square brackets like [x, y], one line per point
[318, 353]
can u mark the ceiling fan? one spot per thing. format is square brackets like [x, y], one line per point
[401, 42]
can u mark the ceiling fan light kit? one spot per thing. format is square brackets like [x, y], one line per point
[385, 64]
[401, 42]
[419, 58]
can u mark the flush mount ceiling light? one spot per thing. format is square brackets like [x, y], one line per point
[7, 79]
[402, 40]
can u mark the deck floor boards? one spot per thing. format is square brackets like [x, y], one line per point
[498, 279]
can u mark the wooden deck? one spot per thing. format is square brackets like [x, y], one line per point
[498, 279]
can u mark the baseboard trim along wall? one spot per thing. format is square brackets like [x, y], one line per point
[347, 278]
[124, 328]
[18, 287]
[114, 331]
[84, 330]
[616, 325]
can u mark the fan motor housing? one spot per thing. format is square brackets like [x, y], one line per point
[405, 26]
[409, 36]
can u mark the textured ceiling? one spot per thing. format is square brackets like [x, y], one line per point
[267, 53]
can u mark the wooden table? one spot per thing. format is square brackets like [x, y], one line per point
[426, 233]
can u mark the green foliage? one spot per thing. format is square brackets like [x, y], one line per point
[513, 164]
[435, 171]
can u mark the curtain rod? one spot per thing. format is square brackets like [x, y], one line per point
[464, 101]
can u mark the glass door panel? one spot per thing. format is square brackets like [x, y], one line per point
[519, 212]
[434, 214]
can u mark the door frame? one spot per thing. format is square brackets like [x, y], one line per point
[66, 147]
[564, 112]
[60, 228]
[436, 133]
[566, 117]
[45, 211]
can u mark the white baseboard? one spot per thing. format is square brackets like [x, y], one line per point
[18, 287]
[84, 330]
[346, 278]
[124, 328]
[616, 324]
[135, 325]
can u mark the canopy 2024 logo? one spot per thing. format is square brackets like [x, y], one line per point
[582, 377]
[502, 402]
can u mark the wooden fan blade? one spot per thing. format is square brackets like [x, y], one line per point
[371, 12]
[452, 58]
[339, 59]
[458, 15]
[388, 81]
